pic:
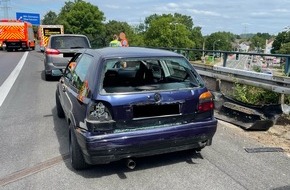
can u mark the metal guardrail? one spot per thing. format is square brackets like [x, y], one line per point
[221, 79]
[246, 116]
[277, 84]
[186, 52]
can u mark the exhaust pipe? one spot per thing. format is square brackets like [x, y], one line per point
[131, 164]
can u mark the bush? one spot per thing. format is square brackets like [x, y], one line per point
[255, 95]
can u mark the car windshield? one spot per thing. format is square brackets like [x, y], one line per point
[142, 74]
[69, 42]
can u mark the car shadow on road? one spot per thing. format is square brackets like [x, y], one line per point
[282, 188]
[50, 79]
[62, 134]
[118, 167]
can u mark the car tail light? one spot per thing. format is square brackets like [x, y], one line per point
[99, 118]
[52, 51]
[99, 112]
[205, 102]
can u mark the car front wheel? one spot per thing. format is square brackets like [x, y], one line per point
[76, 154]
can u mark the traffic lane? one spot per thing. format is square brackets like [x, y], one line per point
[237, 64]
[8, 61]
[28, 131]
[32, 136]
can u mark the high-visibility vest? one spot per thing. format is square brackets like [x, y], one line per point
[115, 43]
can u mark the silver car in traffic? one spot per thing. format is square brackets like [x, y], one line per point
[60, 49]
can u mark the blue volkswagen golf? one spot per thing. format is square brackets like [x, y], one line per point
[123, 103]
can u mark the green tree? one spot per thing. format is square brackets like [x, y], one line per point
[165, 31]
[220, 41]
[176, 18]
[184, 19]
[265, 36]
[149, 19]
[285, 48]
[50, 18]
[139, 28]
[280, 43]
[80, 17]
[198, 39]
[257, 42]
[137, 39]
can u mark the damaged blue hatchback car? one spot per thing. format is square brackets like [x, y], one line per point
[133, 102]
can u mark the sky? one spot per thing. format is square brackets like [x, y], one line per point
[235, 16]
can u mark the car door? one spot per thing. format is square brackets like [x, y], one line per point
[66, 86]
[78, 88]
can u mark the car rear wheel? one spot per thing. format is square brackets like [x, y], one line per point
[76, 154]
[47, 77]
[59, 109]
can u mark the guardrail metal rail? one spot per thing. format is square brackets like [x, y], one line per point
[221, 80]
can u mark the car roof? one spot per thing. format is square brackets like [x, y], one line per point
[68, 35]
[131, 52]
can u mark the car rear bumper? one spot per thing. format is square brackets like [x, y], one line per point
[54, 69]
[103, 149]
[55, 62]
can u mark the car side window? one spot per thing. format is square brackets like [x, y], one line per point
[68, 72]
[80, 71]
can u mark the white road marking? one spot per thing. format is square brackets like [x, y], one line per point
[8, 83]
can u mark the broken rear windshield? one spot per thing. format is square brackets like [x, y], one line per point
[133, 75]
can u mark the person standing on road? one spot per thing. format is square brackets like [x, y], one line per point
[115, 42]
[124, 41]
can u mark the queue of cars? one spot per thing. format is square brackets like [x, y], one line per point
[59, 50]
[130, 102]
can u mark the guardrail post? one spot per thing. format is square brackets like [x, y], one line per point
[225, 56]
[218, 85]
[282, 99]
[287, 66]
[187, 54]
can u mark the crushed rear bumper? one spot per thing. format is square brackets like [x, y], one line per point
[101, 149]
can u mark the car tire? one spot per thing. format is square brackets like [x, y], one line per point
[47, 77]
[59, 109]
[76, 154]
[197, 149]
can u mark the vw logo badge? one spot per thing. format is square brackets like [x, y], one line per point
[157, 97]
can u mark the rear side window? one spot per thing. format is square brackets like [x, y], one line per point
[68, 73]
[80, 72]
[69, 42]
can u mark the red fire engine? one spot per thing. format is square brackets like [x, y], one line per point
[16, 34]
